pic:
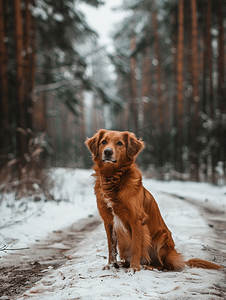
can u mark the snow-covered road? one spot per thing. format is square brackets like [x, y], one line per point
[81, 277]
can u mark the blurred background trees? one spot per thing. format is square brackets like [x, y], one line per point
[169, 86]
[177, 57]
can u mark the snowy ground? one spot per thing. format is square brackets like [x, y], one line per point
[24, 222]
[81, 277]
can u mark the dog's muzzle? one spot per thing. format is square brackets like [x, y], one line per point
[108, 155]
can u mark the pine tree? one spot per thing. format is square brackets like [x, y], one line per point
[4, 101]
[21, 116]
[133, 101]
[195, 104]
[180, 90]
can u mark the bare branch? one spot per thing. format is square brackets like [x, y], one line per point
[54, 86]
[5, 248]
[27, 180]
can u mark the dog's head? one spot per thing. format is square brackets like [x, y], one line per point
[114, 149]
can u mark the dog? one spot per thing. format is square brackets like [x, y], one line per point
[132, 220]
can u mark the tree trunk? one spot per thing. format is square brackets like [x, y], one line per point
[221, 61]
[161, 141]
[180, 90]
[204, 60]
[173, 135]
[33, 54]
[209, 83]
[195, 123]
[133, 102]
[221, 93]
[146, 88]
[188, 103]
[28, 64]
[203, 106]
[126, 94]
[4, 106]
[21, 115]
[209, 59]
[83, 129]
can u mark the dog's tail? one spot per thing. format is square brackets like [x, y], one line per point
[200, 263]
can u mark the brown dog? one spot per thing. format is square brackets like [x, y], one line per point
[130, 213]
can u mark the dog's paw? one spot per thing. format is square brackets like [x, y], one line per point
[106, 267]
[146, 267]
[132, 270]
[109, 266]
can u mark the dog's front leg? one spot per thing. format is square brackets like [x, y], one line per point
[112, 246]
[136, 230]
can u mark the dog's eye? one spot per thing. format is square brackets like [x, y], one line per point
[119, 143]
[104, 142]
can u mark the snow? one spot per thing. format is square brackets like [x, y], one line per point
[201, 192]
[82, 277]
[34, 220]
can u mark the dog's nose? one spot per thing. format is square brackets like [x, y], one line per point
[108, 152]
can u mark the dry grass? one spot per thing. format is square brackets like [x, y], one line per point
[26, 176]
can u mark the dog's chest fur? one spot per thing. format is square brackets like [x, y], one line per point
[110, 190]
[118, 224]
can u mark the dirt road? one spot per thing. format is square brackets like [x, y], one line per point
[19, 270]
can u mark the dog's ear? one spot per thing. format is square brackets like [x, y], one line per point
[93, 142]
[134, 145]
[92, 145]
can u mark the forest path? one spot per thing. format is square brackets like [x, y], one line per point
[215, 218]
[19, 270]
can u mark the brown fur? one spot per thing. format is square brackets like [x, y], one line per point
[130, 213]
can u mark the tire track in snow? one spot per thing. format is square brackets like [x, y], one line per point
[21, 269]
[216, 220]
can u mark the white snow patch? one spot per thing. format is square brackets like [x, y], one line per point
[23, 222]
[82, 276]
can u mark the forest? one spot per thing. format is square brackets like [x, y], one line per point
[169, 87]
